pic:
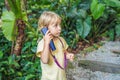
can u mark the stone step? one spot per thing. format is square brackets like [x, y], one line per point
[116, 51]
[100, 66]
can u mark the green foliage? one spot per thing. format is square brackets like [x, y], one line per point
[9, 18]
[83, 27]
[8, 25]
[5, 45]
[77, 21]
[1, 54]
[112, 3]
[16, 8]
[111, 34]
[24, 67]
[107, 21]
[1, 7]
[97, 9]
[81, 20]
[117, 28]
[112, 11]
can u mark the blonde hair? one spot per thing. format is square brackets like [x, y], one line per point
[47, 18]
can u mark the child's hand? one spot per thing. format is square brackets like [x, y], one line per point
[70, 56]
[48, 36]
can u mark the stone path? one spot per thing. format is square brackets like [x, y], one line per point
[106, 53]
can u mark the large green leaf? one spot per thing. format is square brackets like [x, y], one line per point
[93, 5]
[87, 26]
[97, 9]
[83, 27]
[79, 26]
[82, 13]
[15, 6]
[8, 23]
[18, 8]
[12, 5]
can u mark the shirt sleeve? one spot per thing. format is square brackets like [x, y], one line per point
[39, 48]
[64, 43]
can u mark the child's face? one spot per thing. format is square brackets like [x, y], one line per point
[55, 29]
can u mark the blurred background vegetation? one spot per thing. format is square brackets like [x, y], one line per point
[83, 21]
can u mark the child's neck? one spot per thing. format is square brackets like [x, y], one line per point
[55, 38]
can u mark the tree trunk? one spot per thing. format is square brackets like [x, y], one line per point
[20, 37]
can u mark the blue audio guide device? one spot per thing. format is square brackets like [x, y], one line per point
[52, 46]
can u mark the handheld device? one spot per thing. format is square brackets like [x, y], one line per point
[52, 46]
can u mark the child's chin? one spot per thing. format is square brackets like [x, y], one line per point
[57, 35]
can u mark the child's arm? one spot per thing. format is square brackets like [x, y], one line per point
[69, 56]
[46, 51]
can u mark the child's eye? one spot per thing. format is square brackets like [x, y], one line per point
[56, 25]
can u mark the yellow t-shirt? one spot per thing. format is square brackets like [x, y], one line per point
[51, 71]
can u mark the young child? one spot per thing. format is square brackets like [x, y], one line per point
[53, 63]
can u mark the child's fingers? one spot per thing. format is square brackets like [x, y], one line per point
[49, 34]
[72, 56]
